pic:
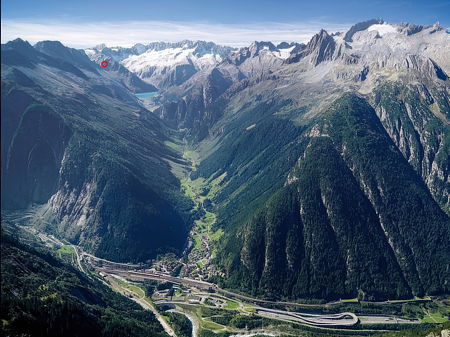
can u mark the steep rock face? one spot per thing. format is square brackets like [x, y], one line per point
[201, 109]
[18, 100]
[96, 192]
[353, 219]
[255, 49]
[319, 49]
[180, 74]
[215, 86]
[34, 157]
[417, 119]
[410, 28]
[262, 57]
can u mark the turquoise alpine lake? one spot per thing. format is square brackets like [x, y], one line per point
[146, 94]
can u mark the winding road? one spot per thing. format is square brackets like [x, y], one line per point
[331, 320]
[144, 304]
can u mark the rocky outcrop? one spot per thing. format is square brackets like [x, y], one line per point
[200, 110]
[319, 49]
[417, 120]
[410, 28]
[359, 27]
[253, 50]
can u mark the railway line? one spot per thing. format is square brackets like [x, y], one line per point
[346, 319]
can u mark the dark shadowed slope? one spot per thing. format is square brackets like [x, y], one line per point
[77, 141]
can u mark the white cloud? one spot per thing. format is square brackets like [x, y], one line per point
[83, 35]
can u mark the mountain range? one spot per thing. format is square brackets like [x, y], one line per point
[326, 164]
[164, 64]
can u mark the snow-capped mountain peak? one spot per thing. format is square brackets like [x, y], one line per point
[383, 29]
[165, 63]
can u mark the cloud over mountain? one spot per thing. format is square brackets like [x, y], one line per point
[126, 34]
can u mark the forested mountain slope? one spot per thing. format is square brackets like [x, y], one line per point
[334, 163]
[78, 142]
[352, 219]
[41, 296]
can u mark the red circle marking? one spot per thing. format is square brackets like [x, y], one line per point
[104, 63]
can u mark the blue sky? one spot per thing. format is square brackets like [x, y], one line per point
[84, 22]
